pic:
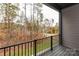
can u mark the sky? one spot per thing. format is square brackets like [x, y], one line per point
[50, 14]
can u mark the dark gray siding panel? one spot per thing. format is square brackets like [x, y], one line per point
[70, 19]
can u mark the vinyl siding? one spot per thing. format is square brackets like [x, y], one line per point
[70, 27]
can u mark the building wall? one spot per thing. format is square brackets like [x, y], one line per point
[70, 29]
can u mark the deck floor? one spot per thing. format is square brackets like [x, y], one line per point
[60, 51]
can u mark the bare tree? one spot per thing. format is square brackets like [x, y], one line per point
[9, 12]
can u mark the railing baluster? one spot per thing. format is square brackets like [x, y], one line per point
[18, 50]
[14, 50]
[25, 49]
[32, 48]
[51, 43]
[35, 47]
[28, 49]
[4, 52]
[9, 51]
[22, 49]
[42, 44]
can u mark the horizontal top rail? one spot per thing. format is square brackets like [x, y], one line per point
[28, 41]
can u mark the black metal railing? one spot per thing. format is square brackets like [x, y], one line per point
[29, 48]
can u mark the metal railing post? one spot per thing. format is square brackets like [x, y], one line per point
[4, 52]
[51, 43]
[34, 48]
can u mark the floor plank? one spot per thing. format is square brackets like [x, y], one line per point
[60, 51]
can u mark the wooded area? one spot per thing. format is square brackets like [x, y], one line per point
[16, 27]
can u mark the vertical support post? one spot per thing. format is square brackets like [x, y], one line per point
[51, 43]
[35, 47]
[4, 52]
[60, 27]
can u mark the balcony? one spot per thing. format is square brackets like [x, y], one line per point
[47, 46]
[24, 35]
